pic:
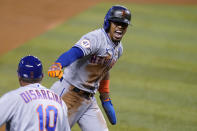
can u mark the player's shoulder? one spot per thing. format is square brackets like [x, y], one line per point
[11, 95]
[120, 49]
[95, 31]
[94, 34]
[120, 46]
[28, 88]
[91, 38]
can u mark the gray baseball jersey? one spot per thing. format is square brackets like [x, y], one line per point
[100, 55]
[33, 108]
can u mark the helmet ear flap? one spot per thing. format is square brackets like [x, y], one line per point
[106, 24]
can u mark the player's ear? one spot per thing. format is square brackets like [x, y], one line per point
[20, 80]
[41, 78]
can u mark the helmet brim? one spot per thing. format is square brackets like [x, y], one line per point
[125, 21]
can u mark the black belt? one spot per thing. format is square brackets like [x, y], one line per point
[85, 93]
[77, 90]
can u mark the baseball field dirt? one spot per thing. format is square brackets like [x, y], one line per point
[22, 20]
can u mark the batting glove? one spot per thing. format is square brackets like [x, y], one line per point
[109, 110]
[55, 70]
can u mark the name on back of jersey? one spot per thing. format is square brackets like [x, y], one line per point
[32, 95]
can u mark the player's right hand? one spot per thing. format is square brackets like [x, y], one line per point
[55, 70]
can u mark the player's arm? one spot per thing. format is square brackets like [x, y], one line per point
[8, 102]
[105, 99]
[64, 60]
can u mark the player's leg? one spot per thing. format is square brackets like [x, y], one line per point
[76, 110]
[2, 128]
[60, 87]
[76, 103]
[57, 87]
[93, 119]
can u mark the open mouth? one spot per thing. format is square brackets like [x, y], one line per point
[118, 34]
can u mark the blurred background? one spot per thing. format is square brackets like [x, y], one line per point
[153, 85]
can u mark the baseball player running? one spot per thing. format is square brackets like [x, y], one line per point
[87, 71]
[32, 107]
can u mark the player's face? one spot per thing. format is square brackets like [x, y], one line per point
[117, 31]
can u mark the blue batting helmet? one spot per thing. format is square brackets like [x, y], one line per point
[117, 14]
[30, 67]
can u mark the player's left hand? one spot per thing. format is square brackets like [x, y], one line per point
[55, 70]
[109, 110]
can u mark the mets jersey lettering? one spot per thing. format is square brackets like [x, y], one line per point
[100, 54]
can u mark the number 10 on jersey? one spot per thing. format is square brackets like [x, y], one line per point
[47, 118]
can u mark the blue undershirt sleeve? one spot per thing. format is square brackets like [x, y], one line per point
[70, 56]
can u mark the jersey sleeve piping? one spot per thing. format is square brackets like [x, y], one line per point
[80, 48]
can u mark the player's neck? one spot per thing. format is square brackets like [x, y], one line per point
[23, 83]
[114, 42]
